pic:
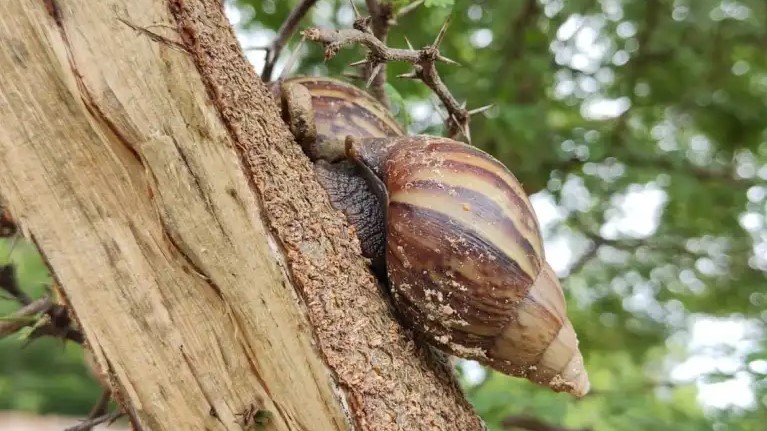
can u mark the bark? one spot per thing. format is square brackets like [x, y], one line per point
[142, 154]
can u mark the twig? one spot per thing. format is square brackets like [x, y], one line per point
[57, 322]
[286, 30]
[583, 260]
[10, 284]
[101, 408]
[381, 19]
[17, 320]
[12, 247]
[87, 425]
[154, 36]
[424, 61]
[534, 424]
[59, 325]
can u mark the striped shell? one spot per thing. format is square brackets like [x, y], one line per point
[341, 109]
[465, 259]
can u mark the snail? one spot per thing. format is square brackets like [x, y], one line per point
[320, 112]
[451, 228]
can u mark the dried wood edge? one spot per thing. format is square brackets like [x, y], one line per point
[159, 241]
[116, 164]
[389, 382]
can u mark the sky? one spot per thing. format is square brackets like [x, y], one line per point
[715, 343]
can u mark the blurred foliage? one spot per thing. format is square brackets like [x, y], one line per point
[45, 375]
[604, 109]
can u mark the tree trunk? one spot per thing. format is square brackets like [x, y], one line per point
[145, 158]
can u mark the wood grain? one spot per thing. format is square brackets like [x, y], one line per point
[187, 231]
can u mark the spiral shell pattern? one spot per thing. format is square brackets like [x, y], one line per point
[341, 109]
[466, 262]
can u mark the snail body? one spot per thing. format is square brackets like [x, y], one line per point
[459, 243]
[320, 113]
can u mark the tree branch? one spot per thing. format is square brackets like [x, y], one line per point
[585, 258]
[90, 423]
[191, 237]
[534, 424]
[424, 61]
[23, 317]
[10, 284]
[56, 323]
[286, 30]
[381, 14]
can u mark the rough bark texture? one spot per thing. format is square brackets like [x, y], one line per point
[155, 175]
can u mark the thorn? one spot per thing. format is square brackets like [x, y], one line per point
[466, 132]
[373, 73]
[356, 11]
[456, 128]
[409, 45]
[480, 110]
[359, 63]
[464, 129]
[441, 34]
[257, 48]
[409, 75]
[447, 60]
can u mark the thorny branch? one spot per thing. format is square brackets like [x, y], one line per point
[24, 317]
[9, 284]
[381, 14]
[55, 321]
[423, 60]
[45, 317]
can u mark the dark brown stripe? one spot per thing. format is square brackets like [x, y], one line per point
[482, 207]
[459, 147]
[465, 168]
[344, 109]
[479, 303]
[438, 227]
[416, 319]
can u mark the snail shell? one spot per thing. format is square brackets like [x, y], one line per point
[449, 225]
[328, 110]
[465, 259]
